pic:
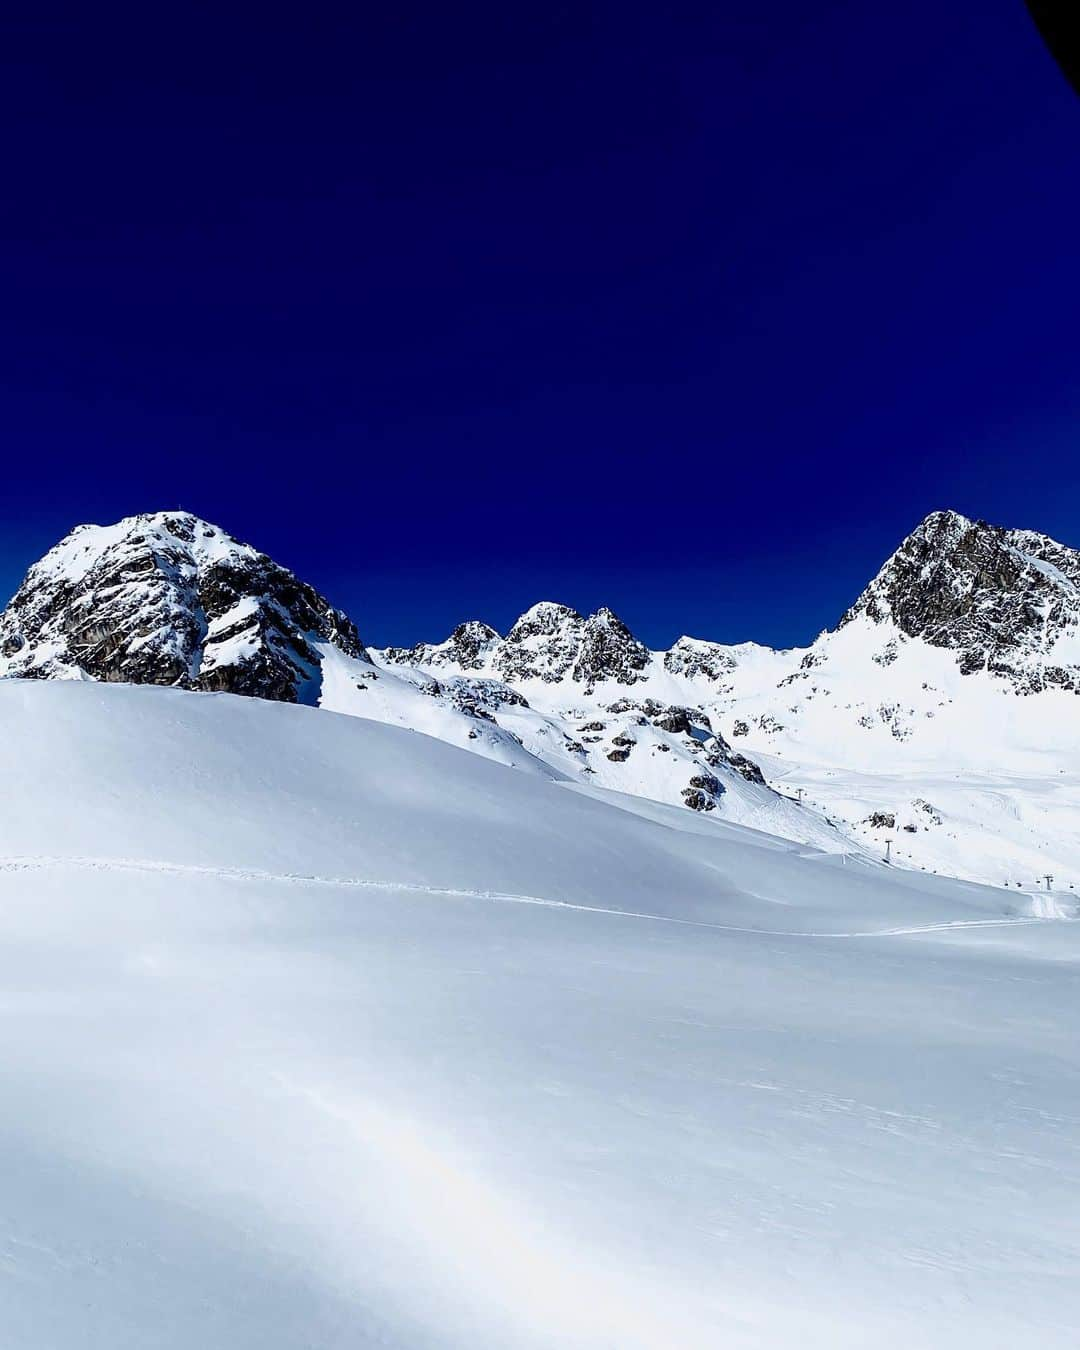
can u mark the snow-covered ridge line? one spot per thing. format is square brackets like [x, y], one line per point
[962, 652]
[994, 595]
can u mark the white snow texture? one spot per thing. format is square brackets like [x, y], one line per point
[323, 1033]
[409, 1004]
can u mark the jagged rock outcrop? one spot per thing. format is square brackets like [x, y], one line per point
[466, 648]
[542, 645]
[719, 752]
[549, 642]
[1004, 600]
[609, 651]
[697, 659]
[703, 792]
[169, 599]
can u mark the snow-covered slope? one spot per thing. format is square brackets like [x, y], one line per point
[169, 599]
[938, 722]
[583, 695]
[323, 1033]
[942, 716]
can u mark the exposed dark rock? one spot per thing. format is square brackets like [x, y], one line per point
[718, 753]
[542, 645]
[467, 648]
[745, 768]
[698, 659]
[675, 720]
[168, 599]
[931, 812]
[1001, 599]
[703, 792]
[609, 651]
[549, 642]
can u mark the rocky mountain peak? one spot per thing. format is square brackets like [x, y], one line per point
[553, 642]
[1006, 600]
[471, 641]
[609, 651]
[467, 648]
[549, 642]
[545, 619]
[167, 598]
[542, 645]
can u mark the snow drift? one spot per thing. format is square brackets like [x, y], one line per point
[323, 1032]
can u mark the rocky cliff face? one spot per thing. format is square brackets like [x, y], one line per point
[549, 643]
[169, 599]
[1006, 601]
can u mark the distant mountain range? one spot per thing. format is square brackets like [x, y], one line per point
[938, 722]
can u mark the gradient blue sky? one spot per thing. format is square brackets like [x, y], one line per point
[693, 310]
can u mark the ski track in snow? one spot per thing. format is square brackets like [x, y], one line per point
[43, 863]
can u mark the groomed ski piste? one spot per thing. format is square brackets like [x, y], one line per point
[321, 1032]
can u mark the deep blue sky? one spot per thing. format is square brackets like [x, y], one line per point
[690, 310]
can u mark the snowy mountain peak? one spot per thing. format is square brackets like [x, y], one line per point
[470, 641]
[1008, 601]
[548, 643]
[466, 648]
[167, 598]
[552, 642]
[544, 619]
[609, 651]
[942, 523]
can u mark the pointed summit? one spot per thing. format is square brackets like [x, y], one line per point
[544, 618]
[1002, 598]
[549, 642]
[167, 598]
[467, 648]
[542, 645]
[609, 651]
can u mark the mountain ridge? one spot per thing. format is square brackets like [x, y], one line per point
[958, 652]
[939, 585]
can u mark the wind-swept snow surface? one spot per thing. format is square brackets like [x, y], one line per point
[322, 1033]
